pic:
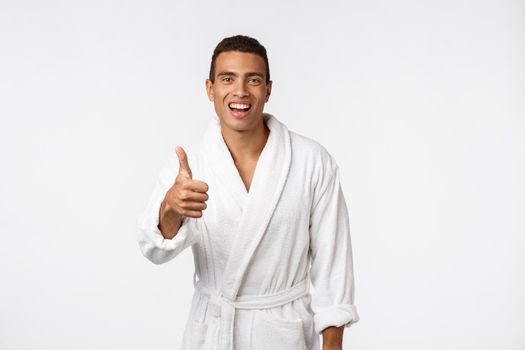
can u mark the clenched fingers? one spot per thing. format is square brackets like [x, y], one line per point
[195, 185]
[191, 213]
[194, 206]
[189, 195]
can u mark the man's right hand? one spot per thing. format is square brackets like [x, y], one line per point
[186, 197]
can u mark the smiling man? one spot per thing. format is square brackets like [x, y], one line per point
[263, 211]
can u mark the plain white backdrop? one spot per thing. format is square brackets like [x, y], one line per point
[422, 103]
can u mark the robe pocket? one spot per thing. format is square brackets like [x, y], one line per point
[270, 332]
[198, 334]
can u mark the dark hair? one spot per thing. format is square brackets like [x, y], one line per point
[240, 43]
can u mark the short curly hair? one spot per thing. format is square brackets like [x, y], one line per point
[240, 43]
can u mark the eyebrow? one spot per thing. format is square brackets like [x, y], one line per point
[249, 74]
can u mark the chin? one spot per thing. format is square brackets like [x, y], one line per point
[237, 124]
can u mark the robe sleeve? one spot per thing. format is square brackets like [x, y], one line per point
[153, 245]
[331, 270]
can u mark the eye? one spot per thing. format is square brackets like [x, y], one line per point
[226, 79]
[255, 81]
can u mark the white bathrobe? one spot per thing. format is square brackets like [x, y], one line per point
[256, 252]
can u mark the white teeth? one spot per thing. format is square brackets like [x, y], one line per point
[239, 105]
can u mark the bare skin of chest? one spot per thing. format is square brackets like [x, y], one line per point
[246, 170]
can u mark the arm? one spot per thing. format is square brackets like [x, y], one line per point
[331, 259]
[161, 247]
[333, 338]
[185, 197]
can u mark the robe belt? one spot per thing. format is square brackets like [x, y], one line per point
[224, 308]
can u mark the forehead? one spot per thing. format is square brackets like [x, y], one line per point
[236, 61]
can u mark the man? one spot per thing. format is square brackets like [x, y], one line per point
[264, 213]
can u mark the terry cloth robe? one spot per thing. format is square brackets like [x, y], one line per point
[256, 252]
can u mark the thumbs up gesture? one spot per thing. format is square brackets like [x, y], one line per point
[186, 197]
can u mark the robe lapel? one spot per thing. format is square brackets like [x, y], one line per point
[222, 165]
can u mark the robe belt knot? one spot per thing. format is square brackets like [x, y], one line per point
[224, 308]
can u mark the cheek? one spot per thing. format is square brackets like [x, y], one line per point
[217, 103]
[220, 94]
[259, 94]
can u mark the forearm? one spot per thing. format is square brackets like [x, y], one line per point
[333, 338]
[169, 221]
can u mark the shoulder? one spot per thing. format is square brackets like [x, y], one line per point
[314, 154]
[314, 162]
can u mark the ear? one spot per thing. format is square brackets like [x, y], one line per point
[268, 90]
[209, 90]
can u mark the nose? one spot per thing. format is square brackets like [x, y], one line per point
[240, 89]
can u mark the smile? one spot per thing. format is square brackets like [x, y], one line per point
[239, 110]
[240, 106]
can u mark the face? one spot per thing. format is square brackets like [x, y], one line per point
[239, 92]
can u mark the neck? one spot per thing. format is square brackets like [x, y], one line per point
[247, 144]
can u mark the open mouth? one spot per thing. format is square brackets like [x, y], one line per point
[241, 107]
[239, 110]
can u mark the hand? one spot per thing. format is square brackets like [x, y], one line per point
[186, 197]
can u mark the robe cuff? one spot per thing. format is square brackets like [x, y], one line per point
[335, 315]
[158, 249]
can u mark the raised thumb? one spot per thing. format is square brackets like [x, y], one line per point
[184, 167]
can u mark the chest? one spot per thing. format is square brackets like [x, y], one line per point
[246, 169]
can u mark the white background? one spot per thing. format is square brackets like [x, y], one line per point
[422, 103]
